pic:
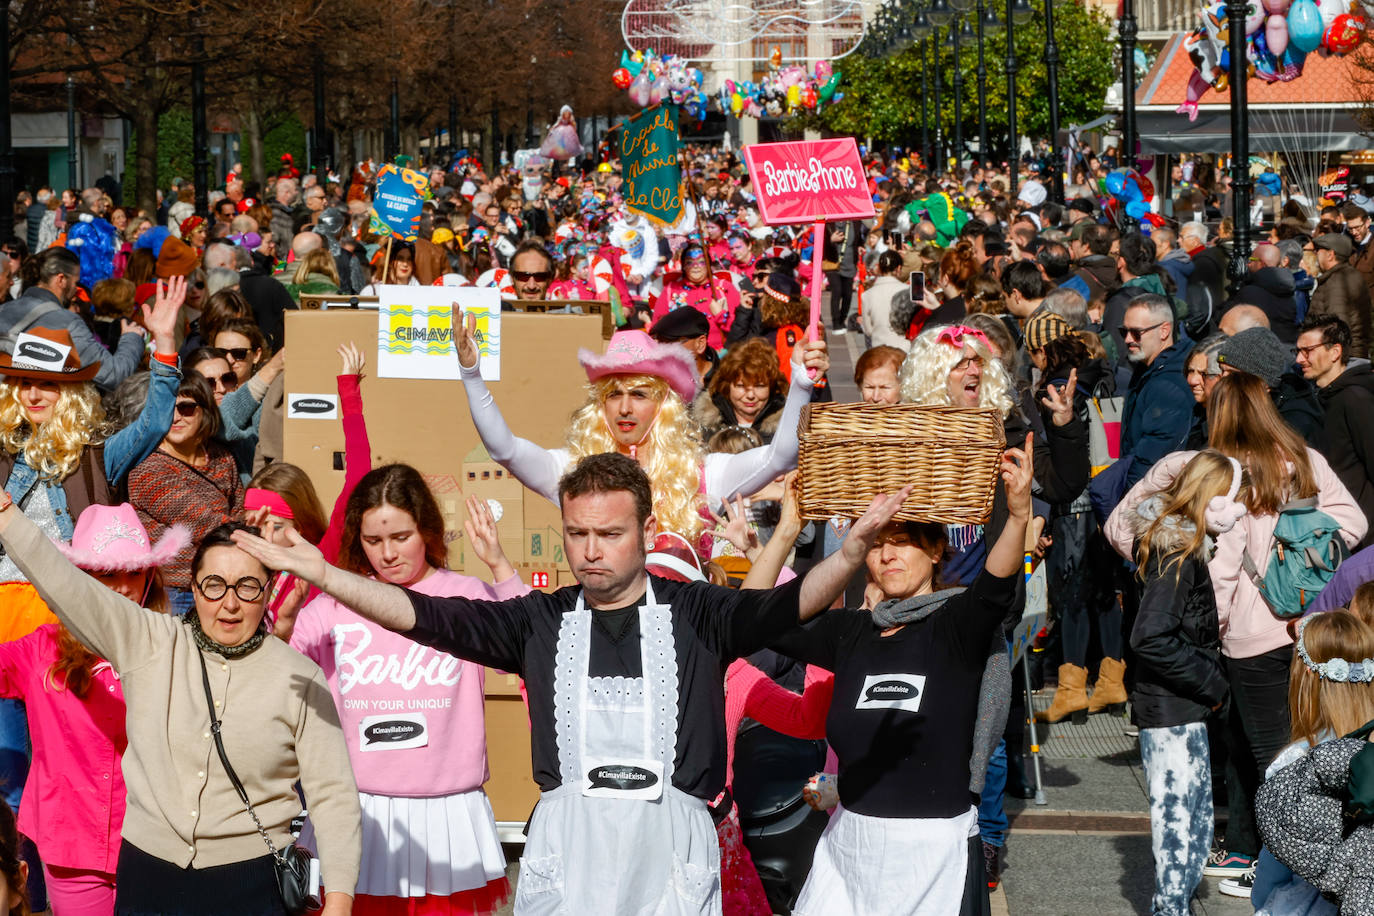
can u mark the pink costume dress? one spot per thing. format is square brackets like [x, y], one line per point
[678, 293]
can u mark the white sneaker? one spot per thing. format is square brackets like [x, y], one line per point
[1239, 886]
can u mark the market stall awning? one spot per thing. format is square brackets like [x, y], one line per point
[1316, 111]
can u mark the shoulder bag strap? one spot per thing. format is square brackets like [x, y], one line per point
[39, 309]
[224, 758]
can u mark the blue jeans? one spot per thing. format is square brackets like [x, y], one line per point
[992, 813]
[1178, 773]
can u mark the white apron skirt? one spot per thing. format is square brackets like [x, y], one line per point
[423, 847]
[888, 866]
[631, 857]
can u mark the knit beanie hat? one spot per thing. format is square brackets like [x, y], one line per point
[177, 259]
[1258, 352]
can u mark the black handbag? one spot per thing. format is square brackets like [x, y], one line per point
[292, 864]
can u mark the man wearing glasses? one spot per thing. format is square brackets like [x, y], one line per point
[1159, 407]
[531, 270]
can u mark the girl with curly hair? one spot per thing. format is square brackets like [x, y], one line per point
[637, 405]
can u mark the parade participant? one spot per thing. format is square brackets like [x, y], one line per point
[243, 343]
[689, 328]
[189, 479]
[531, 269]
[74, 795]
[625, 690]
[907, 714]
[637, 405]
[715, 298]
[189, 847]
[875, 375]
[400, 266]
[1179, 679]
[429, 837]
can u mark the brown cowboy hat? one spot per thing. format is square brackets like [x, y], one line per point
[33, 358]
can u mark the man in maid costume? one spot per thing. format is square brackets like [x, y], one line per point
[625, 690]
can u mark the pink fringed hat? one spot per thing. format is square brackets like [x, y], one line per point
[112, 539]
[636, 353]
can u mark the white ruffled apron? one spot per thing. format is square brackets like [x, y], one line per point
[616, 837]
[888, 866]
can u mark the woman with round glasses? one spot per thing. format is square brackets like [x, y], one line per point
[188, 844]
[191, 479]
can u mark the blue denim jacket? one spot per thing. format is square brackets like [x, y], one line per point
[123, 450]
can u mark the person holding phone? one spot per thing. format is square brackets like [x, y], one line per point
[879, 301]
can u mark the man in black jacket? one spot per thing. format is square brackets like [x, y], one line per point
[1346, 393]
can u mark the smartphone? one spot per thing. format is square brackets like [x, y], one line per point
[918, 286]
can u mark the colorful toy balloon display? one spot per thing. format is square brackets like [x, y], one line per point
[1279, 36]
[784, 91]
[650, 79]
[1131, 192]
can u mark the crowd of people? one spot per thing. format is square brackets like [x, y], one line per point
[203, 666]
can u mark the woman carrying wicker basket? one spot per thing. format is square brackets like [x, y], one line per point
[907, 708]
[637, 405]
[960, 366]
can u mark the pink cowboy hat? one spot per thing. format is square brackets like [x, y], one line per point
[112, 539]
[636, 353]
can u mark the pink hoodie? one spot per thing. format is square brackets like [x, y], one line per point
[1248, 627]
[412, 716]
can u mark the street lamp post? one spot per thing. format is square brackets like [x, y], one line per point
[1019, 12]
[954, 31]
[982, 89]
[200, 133]
[393, 134]
[925, 116]
[1128, 34]
[6, 138]
[940, 15]
[321, 147]
[1241, 185]
[71, 135]
[1052, 67]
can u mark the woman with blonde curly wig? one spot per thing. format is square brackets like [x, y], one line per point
[54, 464]
[637, 405]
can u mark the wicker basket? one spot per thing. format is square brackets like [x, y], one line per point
[852, 452]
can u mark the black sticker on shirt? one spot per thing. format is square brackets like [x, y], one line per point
[621, 778]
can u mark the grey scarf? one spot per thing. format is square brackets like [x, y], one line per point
[898, 611]
[994, 694]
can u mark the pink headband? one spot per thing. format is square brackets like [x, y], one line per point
[256, 499]
[955, 334]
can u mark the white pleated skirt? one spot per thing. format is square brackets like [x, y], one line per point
[418, 847]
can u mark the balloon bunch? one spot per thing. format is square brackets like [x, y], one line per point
[785, 90]
[1129, 191]
[1279, 36]
[651, 79]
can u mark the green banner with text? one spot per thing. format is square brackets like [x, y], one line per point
[649, 166]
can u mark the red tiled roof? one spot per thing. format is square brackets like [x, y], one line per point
[1324, 80]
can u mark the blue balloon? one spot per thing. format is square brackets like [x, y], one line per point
[1137, 209]
[1305, 26]
[1116, 183]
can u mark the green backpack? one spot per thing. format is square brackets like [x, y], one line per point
[1307, 549]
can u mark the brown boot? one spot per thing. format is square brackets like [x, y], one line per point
[1109, 694]
[1071, 697]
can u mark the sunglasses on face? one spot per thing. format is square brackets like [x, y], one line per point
[1138, 333]
[238, 354]
[228, 381]
[523, 276]
[187, 408]
[214, 588]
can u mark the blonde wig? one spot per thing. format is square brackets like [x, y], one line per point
[671, 454]
[53, 449]
[924, 378]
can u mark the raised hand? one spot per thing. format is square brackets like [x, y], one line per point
[1017, 472]
[865, 530]
[480, 527]
[813, 355]
[161, 317]
[1059, 400]
[301, 558]
[465, 337]
[735, 528]
[353, 359]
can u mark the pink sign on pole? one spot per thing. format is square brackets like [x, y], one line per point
[809, 181]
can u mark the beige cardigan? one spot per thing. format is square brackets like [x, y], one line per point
[279, 725]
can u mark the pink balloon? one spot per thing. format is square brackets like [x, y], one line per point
[1276, 34]
[1277, 8]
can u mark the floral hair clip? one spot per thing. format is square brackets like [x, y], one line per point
[959, 336]
[1336, 669]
